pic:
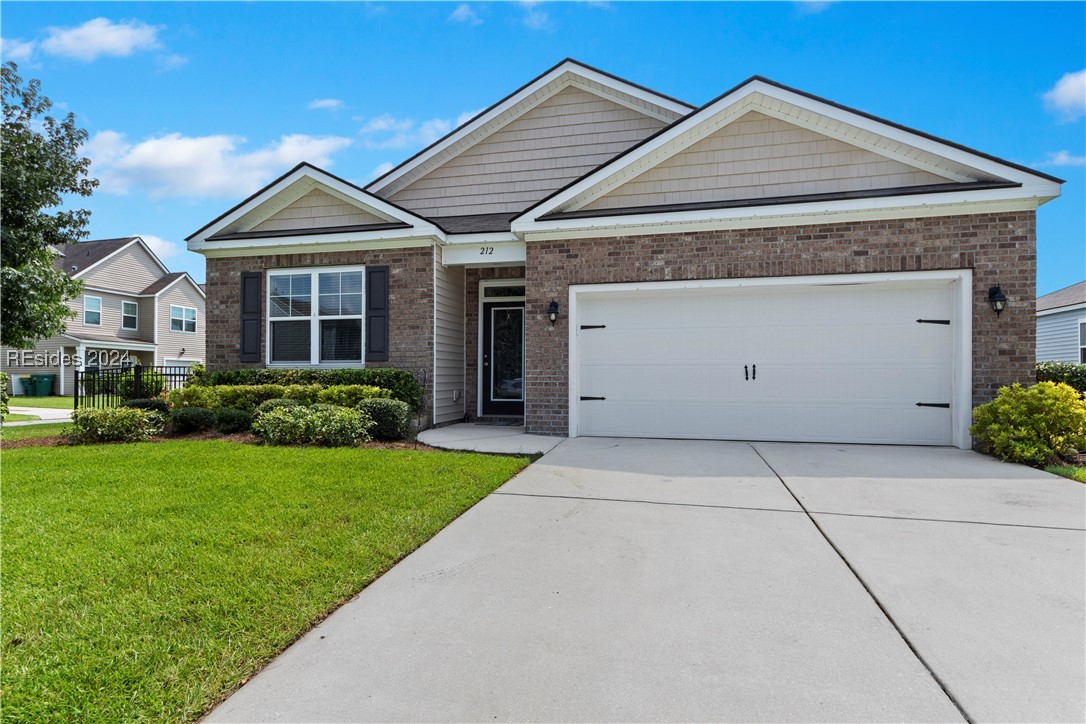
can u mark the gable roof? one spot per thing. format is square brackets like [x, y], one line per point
[1066, 297]
[953, 161]
[523, 99]
[291, 186]
[77, 259]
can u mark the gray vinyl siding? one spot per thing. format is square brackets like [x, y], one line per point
[317, 209]
[757, 156]
[1058, 336]
[111, 317]
[448, 343]
[559, 140]
[171, 343]
[129, 270]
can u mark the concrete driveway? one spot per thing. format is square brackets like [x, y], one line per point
[663, 580]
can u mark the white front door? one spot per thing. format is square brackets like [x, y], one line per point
[818, 363]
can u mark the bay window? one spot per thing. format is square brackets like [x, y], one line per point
[315, 316]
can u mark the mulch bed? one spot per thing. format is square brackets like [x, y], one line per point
[247, 438]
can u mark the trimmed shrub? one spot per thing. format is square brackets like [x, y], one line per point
[323, 425]
[231, 419]
[186, 420]
[156, 404]
[4, 394]
[401, 383]
[1065, 372]
[152, 384]
[351, 395]
[1032, 425]
[276, 404]
[391, 418]
[117, 424]
[193, 396]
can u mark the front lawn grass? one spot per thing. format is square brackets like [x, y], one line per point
[1075, 472]
[59, 403]
[146, 581]
[25, 432]
[15, 417]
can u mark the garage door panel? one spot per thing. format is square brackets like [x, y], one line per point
[835, 363]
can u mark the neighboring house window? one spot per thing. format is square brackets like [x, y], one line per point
[330, 330]
[182, 319]
[1082, 342]
[130, 312]
[92, 311]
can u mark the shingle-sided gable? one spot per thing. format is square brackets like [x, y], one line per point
[756, 157]
[130, 269]
[558, 140]
[318, 209]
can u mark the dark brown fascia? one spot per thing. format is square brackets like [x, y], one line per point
[780, 200]
[310, 232]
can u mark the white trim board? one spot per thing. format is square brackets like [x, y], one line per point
[961, 321]
[1058, 310]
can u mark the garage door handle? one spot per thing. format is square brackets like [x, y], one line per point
[746, 373]
[593, 398]
[754, 372]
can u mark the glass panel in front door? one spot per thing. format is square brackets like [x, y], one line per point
[507, 353]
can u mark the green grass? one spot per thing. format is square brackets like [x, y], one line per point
[1075, 472]
[25, 432]
[12, 417]
[60, 403]
[145, 581]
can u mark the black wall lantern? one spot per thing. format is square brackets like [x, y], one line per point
[552, 312]
[997, 299]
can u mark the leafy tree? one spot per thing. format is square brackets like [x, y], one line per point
[41, 163]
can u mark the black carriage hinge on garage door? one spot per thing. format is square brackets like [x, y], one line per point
[592, 398]
[933, 321]
[593, 326]
[933, 404]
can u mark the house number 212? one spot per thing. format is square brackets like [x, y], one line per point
[483, 250]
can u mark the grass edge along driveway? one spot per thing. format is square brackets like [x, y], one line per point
[147, 581]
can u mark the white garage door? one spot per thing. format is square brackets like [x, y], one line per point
[832, 363]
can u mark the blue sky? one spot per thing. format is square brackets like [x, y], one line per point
[193, 106]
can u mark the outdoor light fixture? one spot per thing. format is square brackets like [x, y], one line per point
[181, 353]
[997, 299]
[552, 312]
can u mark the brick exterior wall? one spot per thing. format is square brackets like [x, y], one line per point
[411, 305]
[471, 328]
[1000, 248]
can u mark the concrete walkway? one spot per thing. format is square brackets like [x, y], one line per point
[652, 580]
[47, 415]
[477, 437]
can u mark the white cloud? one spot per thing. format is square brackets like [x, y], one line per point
[467, 116]
[390, 132]
[1063, 158]
[1067, 98]
[534, 16]
[162, 248]
[326, 104]
[173, 61]
[99, 37]
[380, 170]
[464, 14]
[812, 7]
[13, 49]
[177, 165]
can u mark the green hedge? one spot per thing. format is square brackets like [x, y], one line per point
[401, 383]
[1065, 372]
[249, 397]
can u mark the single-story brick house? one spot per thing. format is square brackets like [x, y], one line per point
[601, 259]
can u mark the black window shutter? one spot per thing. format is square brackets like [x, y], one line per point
[250, 316]
[376, 313]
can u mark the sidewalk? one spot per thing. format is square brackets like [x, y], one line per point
[47, 415]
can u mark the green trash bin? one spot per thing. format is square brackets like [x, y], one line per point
[43, 384]
[27, 385]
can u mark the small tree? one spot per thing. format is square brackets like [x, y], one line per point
[40, 161]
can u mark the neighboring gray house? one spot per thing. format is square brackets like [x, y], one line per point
[133, 310]
[1061, 325]
[592, 257]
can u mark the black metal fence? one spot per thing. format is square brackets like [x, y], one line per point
[110, 386]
